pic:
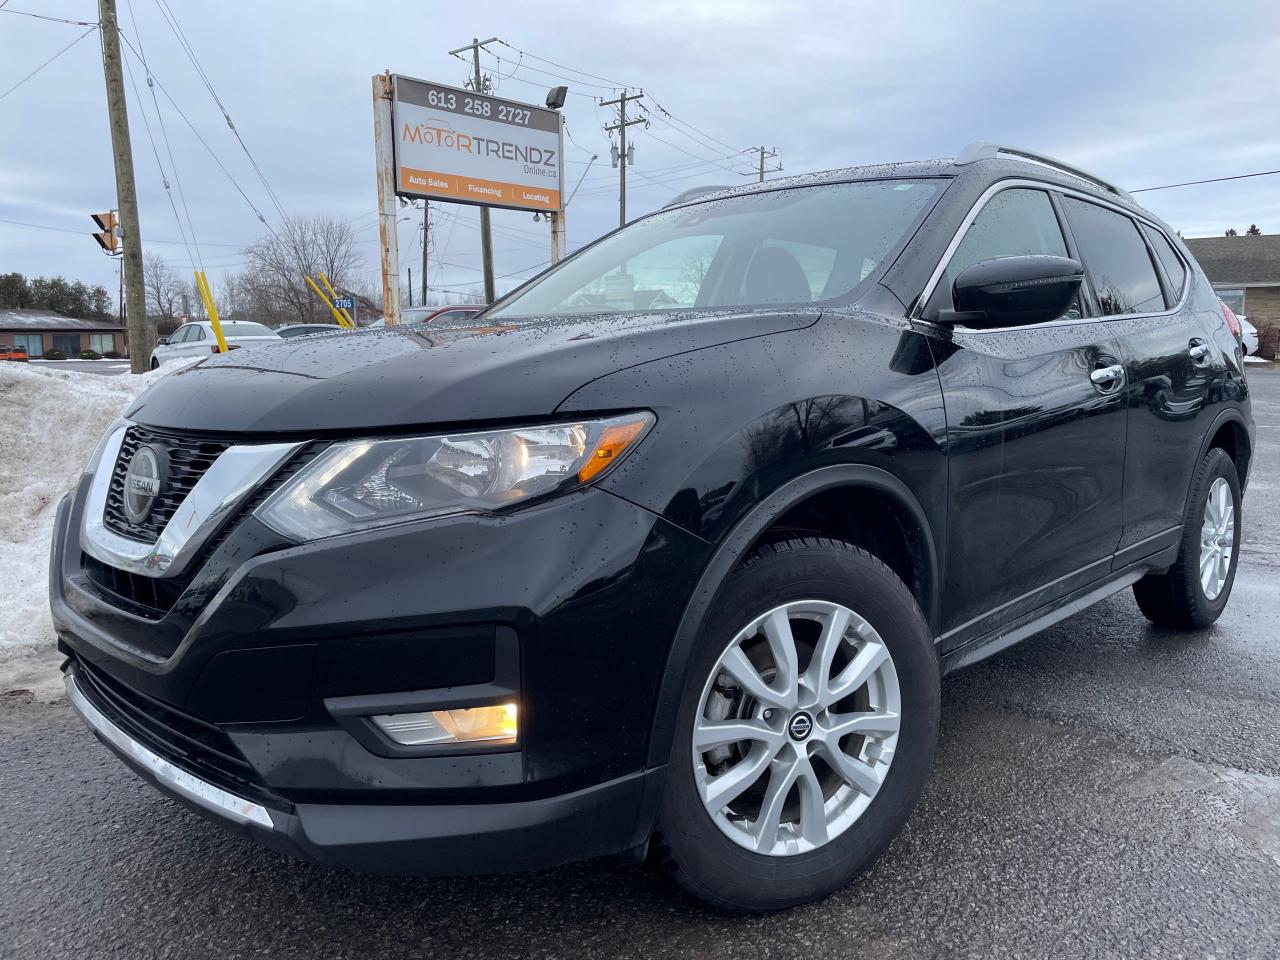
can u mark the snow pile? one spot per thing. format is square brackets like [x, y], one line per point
[50, 422]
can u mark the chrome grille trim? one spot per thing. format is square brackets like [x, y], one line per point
[230, 480]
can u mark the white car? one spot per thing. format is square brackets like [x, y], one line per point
[196, 339]
[1248, 335]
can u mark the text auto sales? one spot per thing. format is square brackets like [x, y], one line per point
[536, 160]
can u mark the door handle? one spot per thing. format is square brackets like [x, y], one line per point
[1107, 378]
[1199, 352]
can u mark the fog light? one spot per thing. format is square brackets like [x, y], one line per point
[491, 726]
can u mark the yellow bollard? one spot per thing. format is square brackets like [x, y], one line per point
[202, 284]
[342, 321]
[333, 296]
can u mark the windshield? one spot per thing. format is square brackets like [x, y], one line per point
[243, 328]
[798, 246]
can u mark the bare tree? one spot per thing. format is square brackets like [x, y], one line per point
[274, 289]
[163, 291]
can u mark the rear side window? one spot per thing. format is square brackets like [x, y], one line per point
[1116, 257]
[1173, 265]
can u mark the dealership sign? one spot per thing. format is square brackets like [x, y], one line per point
[452, 144]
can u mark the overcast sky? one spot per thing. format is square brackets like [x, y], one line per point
[1143, 94]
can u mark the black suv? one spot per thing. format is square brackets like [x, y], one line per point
[669, 551]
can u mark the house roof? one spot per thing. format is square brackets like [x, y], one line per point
[13, 320]
[1244, 260]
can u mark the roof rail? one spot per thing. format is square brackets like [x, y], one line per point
[692, 194]
[988, 151]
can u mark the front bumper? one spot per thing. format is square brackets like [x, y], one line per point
[237, 701]
[435, 840]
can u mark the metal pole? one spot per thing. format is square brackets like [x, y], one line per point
[486, 240]
[762, 164]
[137, 330]
[622, 160]
[383, 137]
[411, 286]
[557, 236]
[426, 237]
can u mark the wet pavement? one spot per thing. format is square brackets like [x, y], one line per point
[1104, 789]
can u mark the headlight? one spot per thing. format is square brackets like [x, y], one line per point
[371, 483]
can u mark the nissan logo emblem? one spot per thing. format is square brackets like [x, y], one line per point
[800, 727]
[142, 483]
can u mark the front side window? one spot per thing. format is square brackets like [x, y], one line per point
[1115, 257]
[798, 246]
[1174, 268]
[1014, 223]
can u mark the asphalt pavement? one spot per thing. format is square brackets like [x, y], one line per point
[1104, 789]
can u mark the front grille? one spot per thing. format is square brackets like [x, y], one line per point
[200, 748]
[153, 597]
[187, 460]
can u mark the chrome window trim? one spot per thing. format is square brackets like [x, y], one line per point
[228, 482]
[200, 792]
[1022, 182]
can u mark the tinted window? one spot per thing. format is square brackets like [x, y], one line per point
[782, 246]
[1173, 266]
[1013, 223]
[1116, 258]
[246, 329]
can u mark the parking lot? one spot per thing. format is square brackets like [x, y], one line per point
[1105, 789]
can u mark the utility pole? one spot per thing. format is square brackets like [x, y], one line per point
[384, 165]
[623, 156]
[765, 155]
[486, 240]
[137, 330]
[426, 241]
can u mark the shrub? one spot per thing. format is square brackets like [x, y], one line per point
[113, 355]
[90, 355]
[54, 355]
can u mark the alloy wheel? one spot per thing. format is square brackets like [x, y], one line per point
[796, 728]
[1217, 537]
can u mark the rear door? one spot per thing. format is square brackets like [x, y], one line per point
[1142, 285]
[1035, 437]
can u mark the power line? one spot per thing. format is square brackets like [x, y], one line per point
[164, 133]
[1192, 183]
[155, 152]
[171, 19]
[614, 84]
[45, 226]
[203, 143]
[47, 62]
[41, 16]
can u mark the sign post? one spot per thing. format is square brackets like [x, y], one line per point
[438, 142]
[384, 156]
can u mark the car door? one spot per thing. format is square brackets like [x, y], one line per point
[1035, 436]
[192, 347]
[1141, 284]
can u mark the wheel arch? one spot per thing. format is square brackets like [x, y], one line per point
[1229, 432]
[752, 530]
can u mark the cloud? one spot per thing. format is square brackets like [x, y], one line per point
[1144, 94]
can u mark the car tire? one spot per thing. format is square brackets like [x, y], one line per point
[705, 859]
[1184, 597]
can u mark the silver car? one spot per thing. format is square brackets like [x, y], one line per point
[196, 339]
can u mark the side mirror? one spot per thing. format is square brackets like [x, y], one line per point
[1013, 291]
[162, 341]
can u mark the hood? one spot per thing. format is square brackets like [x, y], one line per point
[412, 376]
